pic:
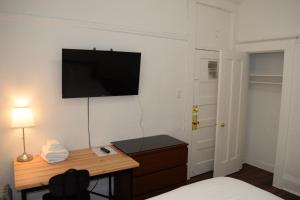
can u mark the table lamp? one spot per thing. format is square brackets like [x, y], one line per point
[22, 117]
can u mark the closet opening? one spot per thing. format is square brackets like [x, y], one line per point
[263, 108]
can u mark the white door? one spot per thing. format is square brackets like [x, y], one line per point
[205, 98]
[231, 108]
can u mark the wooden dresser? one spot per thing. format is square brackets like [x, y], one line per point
[163, 164]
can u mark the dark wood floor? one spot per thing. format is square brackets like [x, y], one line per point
[254, 176]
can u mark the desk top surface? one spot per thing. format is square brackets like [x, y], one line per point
[37, 172]
[144, 144]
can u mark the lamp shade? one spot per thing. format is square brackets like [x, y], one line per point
[22, 117]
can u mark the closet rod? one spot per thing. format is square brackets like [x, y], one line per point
[265, 83]
[269, 39]
[265, 75]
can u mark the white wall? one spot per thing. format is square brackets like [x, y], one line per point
[31, 36]
[155, 16]
[268, 19]
[263, 111]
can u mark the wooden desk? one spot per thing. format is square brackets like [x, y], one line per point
[35, 175]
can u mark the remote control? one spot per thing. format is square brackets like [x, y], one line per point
[105, 150]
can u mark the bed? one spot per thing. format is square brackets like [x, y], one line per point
[222, 188]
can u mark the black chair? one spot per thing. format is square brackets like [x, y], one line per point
[71, 185]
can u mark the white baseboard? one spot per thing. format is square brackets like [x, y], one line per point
[261, 164]
[291, 184]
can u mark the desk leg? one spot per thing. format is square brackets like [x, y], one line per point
[109, 188]
[123, 185]
[24, 195]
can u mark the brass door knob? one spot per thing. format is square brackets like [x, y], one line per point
[222, 124]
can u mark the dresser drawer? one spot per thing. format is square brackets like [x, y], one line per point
[162, 179]
[159, 160]
[158, 192]
[162, 162]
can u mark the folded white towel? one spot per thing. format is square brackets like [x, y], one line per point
[46, 150]
[53, 152]
[54, 145]
[52, 160]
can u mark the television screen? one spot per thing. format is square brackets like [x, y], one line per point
[93, 73]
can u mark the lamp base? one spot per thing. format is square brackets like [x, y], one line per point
[24, 157]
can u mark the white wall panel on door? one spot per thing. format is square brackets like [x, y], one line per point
[208, 92]
[232, 90]
[213, 27]
[205, 97]
[207, 112]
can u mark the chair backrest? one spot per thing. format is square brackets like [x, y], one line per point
[70, 183]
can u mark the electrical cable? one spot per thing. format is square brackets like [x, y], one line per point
[142, 117]
[141, 123]
[88, 121]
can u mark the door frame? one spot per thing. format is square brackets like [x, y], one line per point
[287, 47]
[190, 49]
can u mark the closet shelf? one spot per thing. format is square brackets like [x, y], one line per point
[264, 75]
[266, 83]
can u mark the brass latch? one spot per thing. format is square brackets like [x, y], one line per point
[195, 121]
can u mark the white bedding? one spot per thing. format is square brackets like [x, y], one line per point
[222, 188]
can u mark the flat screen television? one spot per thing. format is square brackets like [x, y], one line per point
[94, 73]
